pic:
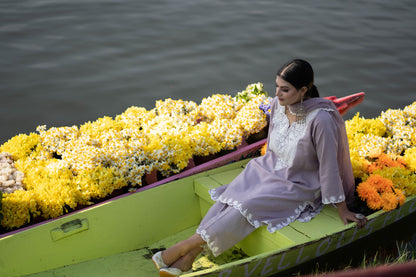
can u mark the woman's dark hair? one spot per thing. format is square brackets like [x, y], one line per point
[300, 74]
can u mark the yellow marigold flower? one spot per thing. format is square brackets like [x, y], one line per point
[134, 117]
[217, 105]
[98, 183]
[226, 133]
[410, 158]
[55, 140]
[185, 111]
[21, 146]
[371, 145]
[203, 141]
[251, 118]
[365, 126]
[359, 164]
[402, 178]
[15, 209]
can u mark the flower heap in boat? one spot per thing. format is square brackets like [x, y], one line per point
[383, 155]
[65, 167]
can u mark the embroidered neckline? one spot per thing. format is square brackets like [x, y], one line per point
[285, 137]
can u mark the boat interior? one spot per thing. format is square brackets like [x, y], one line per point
[119, 237]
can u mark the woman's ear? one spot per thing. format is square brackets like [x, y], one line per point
[303, 90]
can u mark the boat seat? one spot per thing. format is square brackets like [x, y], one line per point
[261, 240]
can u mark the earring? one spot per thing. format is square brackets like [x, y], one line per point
[301, 114]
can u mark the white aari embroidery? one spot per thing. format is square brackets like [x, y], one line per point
[284, 137]
[210, 244]
[333, 199]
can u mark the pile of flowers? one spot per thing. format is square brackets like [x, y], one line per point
[65, 167]
[383, 155]
[11, 179]
[52, 171]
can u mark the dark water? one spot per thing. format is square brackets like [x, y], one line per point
[68, 62]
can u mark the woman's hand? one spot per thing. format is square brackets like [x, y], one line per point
[346, 215]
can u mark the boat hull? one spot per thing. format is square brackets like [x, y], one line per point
[102, 238]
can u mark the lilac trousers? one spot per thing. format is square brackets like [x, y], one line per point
[223, 227]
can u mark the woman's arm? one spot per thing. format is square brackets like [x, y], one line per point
[326, 140]
[346, 215]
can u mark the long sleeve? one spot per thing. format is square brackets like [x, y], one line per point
[326, 141]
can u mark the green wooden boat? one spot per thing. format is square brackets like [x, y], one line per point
[118, 237]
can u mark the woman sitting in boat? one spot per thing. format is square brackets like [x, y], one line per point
[306, 165]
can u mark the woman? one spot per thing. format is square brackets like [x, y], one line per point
[306, 165]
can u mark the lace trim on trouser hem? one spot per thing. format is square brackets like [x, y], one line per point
[210, 246]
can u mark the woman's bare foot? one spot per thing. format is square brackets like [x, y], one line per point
[182, 248]
[185, 262]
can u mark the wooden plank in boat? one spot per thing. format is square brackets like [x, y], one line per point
[321, 225]
[226, 177]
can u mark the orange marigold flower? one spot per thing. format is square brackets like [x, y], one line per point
[380, 183]
[369, 194]
[375, 202]
[401, 197]
[365, 190]
[390, 201]
[379, 192]
[384, 160]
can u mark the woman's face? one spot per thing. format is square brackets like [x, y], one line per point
[287, 93]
